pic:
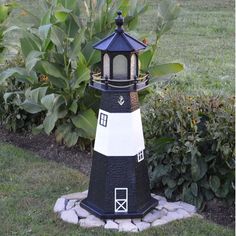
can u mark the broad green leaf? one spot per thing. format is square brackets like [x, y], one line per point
[35, 95]
[86, 121]
[11, 28]
[48, 101]
[92, 56]
[49, 122]
[52, 69]
[58, 36]
[171, 182]
[160, 170]
[61, 13]
[74, 106]
[8, 95]
[38, 129]
[3, 12]
[223, 191]
[44, 31]
[32, 58]
[11, 72]
[194, 189]
[29, 44]
[214, 183]
[198, 168]
[46, 18]
[32, 107]
[168, 192]
[71, 138]
[145, 58]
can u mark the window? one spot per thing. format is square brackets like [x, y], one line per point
[106, 66]
[120, 67]
[121, 199]
[140, 156]
[133, 66]
[103, 120]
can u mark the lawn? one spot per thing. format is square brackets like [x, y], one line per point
[29, 187]
[202, 38]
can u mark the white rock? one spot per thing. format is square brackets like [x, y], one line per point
[60, 205]
[127, 227]
[81, 212]
[159, 207]
[85, 192]
[70, 216]
[122, 221]
[161, 203]
[171, 206]
[75, 196]
[159, 198]
[91, 221]
[159, 222]
[153, 215]
[171, 216]
[136, 220]
[188, 207]
[142, 225]
[111, 225]
[70, 204]
[183, 213]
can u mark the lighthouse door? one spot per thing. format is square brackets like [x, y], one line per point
[121, 199]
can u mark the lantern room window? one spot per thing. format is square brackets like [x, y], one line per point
[120, 67]
[106, 65]
[133, 66]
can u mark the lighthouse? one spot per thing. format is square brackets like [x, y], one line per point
[119, 182]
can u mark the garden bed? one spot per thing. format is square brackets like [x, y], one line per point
[46, 147]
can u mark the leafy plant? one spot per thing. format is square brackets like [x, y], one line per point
[191, 146]
[58, 54]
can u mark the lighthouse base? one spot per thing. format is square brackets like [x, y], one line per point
[119, 187]
[129, 215]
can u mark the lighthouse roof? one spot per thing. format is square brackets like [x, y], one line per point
[119, 41]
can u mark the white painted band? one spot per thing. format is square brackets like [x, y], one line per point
[123, 135]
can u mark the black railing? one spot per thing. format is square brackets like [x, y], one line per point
[119, 83]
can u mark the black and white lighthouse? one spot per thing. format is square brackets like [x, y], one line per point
[119, 183]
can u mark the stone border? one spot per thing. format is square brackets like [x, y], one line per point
[69, 209]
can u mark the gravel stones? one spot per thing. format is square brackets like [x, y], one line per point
[69, 209]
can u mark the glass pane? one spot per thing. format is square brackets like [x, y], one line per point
[120, 67]
[133, 66]
[106, 66]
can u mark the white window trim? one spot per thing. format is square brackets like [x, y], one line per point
[103, 119]
[140, 156]
[121, 202]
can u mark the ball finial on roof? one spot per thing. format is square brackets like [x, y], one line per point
[119, 22]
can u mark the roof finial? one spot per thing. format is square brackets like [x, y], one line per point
[119, 22]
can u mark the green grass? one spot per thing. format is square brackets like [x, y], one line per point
[29, 187]
[202, 38]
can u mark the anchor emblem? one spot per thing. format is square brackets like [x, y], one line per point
[121, 100]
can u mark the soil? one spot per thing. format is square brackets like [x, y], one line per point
[47, 148]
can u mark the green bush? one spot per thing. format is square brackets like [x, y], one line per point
[190, 143]
[58, 54]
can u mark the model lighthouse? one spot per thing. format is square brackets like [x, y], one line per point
[119, 183]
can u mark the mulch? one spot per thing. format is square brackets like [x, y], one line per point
[47, 148]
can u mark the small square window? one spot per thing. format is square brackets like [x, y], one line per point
[140, 156]
[103, 120]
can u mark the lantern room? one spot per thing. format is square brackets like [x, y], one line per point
[119, 61]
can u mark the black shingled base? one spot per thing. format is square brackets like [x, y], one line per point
[113, 172]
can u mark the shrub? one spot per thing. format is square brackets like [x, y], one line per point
[190, 143]
[58, 54]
